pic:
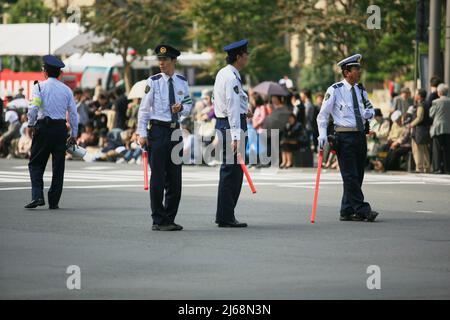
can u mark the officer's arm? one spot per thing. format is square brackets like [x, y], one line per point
[233, 108]
[369, 111]
[186, 103]
[73, 116]
[35, 104]
[325, 111]
[145, 111]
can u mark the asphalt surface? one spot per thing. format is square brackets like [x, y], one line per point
[104, 227]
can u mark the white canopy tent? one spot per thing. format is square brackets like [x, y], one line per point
[32, 39]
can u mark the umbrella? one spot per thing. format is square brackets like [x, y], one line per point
[269, 88]
[138, 90]
[19, 103]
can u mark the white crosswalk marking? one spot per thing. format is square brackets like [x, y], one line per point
[116, 177]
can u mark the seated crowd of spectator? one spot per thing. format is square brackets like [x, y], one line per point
[415, 133]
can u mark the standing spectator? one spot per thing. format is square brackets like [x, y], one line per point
[279, 116]
[1, 116]
[132, 113]
[259, 117]
[420, 133]
[82, 109]
[290, 141]
[13, 132]
[404, 101]
[286, 82]
[440, 130]
[298, 108]
[20, 94]
[98, 90]
[315, 129]
[434, 82]
[305, 96]
[120, 106]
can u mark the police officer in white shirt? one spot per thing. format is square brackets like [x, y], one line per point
[51, 101]
[231, 110]
[166, 100]
[348, 103]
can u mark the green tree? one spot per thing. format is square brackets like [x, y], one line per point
[125, 24]
[25, 11]
[28, 11]
[224, 21]
[339, 28]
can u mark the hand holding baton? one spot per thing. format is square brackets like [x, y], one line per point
[247, 175]
[141, 143]
[145, 164]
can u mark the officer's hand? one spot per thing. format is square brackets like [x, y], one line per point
[322, 142]
[367, 114]
[142, 141]
[71, 140]
[176, 108]
[249, 114]
[235, 146]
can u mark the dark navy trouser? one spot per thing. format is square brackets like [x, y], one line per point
[351, 154]
[48, 139]
[165, 178]
[231, 175]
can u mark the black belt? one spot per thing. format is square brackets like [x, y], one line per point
[167, 124]
[49, 121]
[243, 115]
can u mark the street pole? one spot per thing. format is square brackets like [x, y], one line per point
[447, 44]
[49, 34]
[434, 49]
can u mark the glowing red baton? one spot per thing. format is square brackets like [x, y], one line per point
[316, 192]
[145, 164]
[247, 175]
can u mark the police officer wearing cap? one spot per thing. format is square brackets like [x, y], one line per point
[348, 103]
[231, 110]
[166, 100]
[51, 101]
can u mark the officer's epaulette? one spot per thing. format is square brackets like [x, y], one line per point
[337, 85]
[181, 77]
[156, 76]
[361, 87]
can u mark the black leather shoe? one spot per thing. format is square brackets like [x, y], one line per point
[55, 207]
[371, 216]
[347, 217]
[35, 203]
[178, 226]
[169, 227]
[155, 227]
[234, 224]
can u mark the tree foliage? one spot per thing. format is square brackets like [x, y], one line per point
[125, 24]
[224, 21]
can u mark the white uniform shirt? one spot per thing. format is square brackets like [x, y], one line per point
[155, 104]
[339, 103]
[230, 99]
[53, 100]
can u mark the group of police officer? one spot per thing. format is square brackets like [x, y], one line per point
[166, 100]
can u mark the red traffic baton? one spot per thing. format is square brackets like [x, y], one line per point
[316, 191]
[145, 164]
[247, 175]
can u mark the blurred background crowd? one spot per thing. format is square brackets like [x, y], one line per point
[413, 135]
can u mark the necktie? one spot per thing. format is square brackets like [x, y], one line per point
[358, 118]
[172, 100]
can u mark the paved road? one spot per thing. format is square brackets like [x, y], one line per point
[104, 228]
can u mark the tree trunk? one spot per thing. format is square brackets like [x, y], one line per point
[126, 74]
